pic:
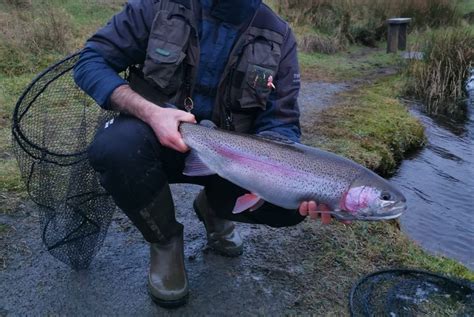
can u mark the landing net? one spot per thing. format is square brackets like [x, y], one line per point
[402, 292]
[54, 122]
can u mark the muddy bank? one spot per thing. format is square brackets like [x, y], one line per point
[270, 278]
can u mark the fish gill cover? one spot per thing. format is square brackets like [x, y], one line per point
[53, 123]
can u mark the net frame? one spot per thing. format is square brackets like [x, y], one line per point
[53, 123]
[462, 291]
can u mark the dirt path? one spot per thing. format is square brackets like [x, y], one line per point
[276, 274]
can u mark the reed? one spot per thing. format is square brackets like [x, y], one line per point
[439, 78]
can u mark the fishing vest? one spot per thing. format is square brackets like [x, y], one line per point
[169, 72]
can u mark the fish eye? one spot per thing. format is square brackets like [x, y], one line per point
[385, 196]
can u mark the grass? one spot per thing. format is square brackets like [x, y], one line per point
[346, 253]
[466, 6]
[33, 35]
[369, 126]
[355, 62]
[12, 189]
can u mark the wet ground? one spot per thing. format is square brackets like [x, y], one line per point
[269, 278]
[273, 276]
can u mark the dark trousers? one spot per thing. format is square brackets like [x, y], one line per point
[136, 169]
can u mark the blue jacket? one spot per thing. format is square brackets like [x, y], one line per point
[123, 42]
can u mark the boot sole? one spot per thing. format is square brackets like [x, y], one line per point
[171, 304]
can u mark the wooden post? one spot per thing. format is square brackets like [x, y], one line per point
[402, 37]
[397, 34]
[392, 40]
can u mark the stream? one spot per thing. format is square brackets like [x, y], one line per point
[439, 186]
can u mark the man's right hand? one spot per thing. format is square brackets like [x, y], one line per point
[164, 121]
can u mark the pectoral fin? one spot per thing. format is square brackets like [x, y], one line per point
[247, 201]
[194, 166]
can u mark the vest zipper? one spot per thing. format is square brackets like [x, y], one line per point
[226, 104]
[190, 76]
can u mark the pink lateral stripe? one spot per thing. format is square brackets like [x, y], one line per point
[258, 162]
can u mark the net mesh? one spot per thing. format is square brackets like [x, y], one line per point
[411, 293]
[53, 123]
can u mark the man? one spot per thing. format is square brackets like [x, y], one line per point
[233, 62]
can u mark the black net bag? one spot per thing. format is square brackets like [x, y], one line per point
[403, 292]
[54, 122]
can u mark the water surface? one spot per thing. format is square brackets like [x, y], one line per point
[439, 185]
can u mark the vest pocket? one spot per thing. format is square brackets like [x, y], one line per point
[255, 88]
[163, 64]
[168, 40]
[254, 72]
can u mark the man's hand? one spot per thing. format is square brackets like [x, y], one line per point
[163, 121]
[311, 209]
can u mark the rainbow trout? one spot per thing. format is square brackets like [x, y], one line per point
[286, 174]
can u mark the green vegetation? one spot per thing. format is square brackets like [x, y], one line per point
[438, 79]
[355, 62]
[466, 7]
[346, 253]
[33, 35]
[337, 23]
[369, 126]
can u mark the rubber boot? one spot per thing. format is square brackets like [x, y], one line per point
[221, 234]
[167, 279]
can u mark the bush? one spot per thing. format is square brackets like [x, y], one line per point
[439, 78]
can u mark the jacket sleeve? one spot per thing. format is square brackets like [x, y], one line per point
[282, 113]
[96, 77]
[119, 44]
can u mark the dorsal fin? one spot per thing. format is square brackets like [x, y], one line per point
[208, 124]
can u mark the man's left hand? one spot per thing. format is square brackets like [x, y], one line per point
[314, 211]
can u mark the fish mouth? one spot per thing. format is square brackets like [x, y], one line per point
[388, 212]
